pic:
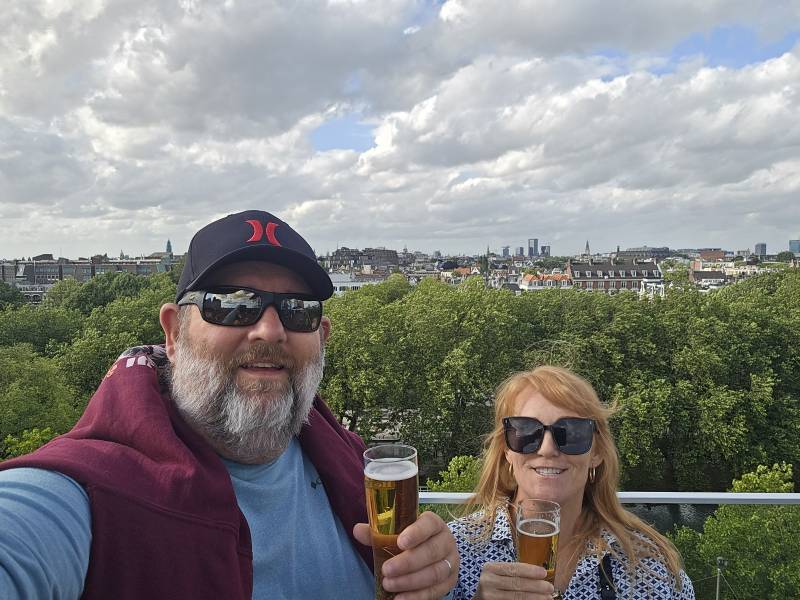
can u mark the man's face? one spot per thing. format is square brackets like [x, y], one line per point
[246, 389]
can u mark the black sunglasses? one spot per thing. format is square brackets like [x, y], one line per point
[572, 435]
[240, 307]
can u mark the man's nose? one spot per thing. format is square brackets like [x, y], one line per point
[268, 328]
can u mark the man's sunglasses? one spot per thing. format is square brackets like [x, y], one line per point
[572, 435]
[240, 307]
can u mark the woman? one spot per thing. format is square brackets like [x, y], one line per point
[551, 440]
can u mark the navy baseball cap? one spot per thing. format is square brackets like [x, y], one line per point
[251, 235]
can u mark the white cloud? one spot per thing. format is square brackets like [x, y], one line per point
[122, 123]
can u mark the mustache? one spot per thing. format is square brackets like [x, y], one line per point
[263, 352]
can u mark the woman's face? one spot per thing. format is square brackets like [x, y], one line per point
[549, 474]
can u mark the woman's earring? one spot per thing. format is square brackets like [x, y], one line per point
[592, 474]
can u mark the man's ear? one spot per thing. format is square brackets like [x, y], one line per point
[169, 316]
[325, 329]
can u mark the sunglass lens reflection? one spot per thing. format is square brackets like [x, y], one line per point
[571, 435]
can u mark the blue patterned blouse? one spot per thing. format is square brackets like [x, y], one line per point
[653, 579]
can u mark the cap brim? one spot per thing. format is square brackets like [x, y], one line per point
[306, 268]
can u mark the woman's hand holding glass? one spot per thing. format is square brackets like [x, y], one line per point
[511, 581]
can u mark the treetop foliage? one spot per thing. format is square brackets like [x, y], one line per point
[10, 296]
[700, 381]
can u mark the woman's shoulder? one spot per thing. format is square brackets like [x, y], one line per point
[468, 525]
[652, 576]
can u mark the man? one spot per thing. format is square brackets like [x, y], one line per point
[207, 468]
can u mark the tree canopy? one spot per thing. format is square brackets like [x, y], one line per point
[10, 295]
[697, 380]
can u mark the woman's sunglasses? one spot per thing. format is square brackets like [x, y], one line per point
[572, 435]
[240, 307]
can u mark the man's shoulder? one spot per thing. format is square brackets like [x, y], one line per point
[31, 478]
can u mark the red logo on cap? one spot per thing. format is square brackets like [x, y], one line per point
[259, 231]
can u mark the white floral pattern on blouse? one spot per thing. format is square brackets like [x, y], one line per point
[653, 579]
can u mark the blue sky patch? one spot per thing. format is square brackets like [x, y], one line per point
[343, 133]
[733, 46]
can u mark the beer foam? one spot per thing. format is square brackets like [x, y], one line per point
[538, 528]
[385, 469]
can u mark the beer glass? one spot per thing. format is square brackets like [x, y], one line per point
[538, 523]
[390, 480]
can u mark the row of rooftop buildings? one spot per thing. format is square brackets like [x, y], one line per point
[634, 269]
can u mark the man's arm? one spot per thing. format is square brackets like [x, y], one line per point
[45, 535]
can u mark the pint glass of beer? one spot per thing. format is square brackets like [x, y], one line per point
[538, 523]
[390, 480]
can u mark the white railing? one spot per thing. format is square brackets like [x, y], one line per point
[648, 498]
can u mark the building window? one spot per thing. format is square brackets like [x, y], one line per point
[622, 273]
[589, 285]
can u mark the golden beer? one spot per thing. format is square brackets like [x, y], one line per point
[537, 543]
[392, 505]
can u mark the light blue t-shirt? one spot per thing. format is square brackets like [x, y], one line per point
[300, 548]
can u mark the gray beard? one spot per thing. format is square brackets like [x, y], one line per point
[248, 424]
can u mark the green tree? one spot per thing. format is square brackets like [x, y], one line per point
[176, 270]
[548, 263]
[64, 293]
[97, 291]
[760, 542]
[356, 381]
[785, 256]
[33, 393]
[452, 346]
[676, 274]
[26, 442]
[461, 475]
[108, 331]
[41, 326]
[10, 296]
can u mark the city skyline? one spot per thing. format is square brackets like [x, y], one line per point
[432, 124]
[498, 250]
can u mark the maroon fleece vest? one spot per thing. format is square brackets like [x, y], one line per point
[165, 522]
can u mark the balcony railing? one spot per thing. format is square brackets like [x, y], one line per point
[426, 497]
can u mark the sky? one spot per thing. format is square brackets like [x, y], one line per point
[433, 125]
